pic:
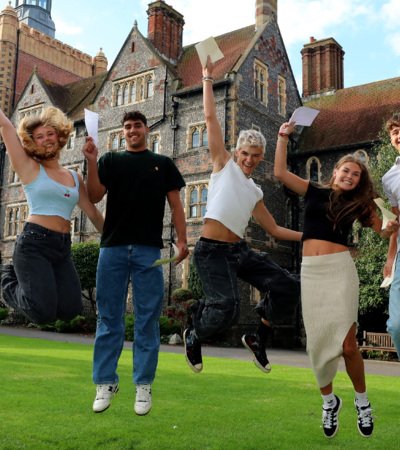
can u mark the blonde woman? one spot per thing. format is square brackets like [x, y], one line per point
[42, 283]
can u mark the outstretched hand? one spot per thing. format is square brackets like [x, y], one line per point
[287, 128]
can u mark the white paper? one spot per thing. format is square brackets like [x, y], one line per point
[304, 116]
[386, 214]
[388, 280]
[210, 48]
[92, 125]
[159, 262]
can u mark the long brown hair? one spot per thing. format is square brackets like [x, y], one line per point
[357, 204]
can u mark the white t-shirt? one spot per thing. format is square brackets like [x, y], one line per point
[391, 183]
[232, 198]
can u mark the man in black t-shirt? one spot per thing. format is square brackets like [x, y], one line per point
[137, 183]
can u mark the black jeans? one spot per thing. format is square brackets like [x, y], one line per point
[45, 285]
[219, 265]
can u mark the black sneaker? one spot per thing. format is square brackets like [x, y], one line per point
[192, 351]
[330, 419]
[365, 421]
[254, 345]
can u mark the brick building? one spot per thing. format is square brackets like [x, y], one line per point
[254, 88]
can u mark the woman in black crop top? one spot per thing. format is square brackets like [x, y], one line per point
[42, 283]
[329, 280]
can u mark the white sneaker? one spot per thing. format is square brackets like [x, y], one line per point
[104, 395]
[143, 399]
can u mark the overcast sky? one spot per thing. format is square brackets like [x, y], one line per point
[368, 30]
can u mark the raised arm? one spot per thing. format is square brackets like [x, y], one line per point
[178, 219]
[289, 179]
[216, 145]
[95, 189]
[20, 161]
[265, 219]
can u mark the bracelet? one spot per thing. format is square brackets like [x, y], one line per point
[284, 135]
[282, 139]
[208, 79]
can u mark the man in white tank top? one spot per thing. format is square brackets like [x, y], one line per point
[222, 256]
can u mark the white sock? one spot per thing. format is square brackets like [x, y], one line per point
[329, 400]
[361, 398]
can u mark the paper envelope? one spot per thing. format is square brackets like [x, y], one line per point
[210, 48]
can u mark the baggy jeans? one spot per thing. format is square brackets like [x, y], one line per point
[116, 267]
[393, 322]
[219, 266]
[45, 285]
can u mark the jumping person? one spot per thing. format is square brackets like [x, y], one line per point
[329, 279]
[42, 282]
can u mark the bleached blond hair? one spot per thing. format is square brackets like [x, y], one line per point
[50, 117]
[251, 138]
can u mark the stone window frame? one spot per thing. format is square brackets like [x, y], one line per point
[31, 111]
[261, 75]
[282, 96]
[116, 140]
[71, 141]
[154, 139]
[199, 128]
[311, 160]
[134, 89]
[13, 177]
[14, 219]
[199, 203]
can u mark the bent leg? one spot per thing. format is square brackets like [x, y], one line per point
[31, 289]
[353, 360]
[216, 265]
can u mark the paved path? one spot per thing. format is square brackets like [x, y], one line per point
[296, 358]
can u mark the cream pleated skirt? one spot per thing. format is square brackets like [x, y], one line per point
[329, 298]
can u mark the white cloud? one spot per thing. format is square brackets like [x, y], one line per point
[67, 29]
[394, 42]
[391, 14]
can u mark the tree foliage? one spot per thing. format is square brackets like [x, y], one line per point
[371, 249]
[194, 282]
[85, 256]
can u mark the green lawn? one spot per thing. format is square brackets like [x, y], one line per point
[47, 394]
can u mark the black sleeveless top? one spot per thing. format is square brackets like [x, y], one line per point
[317, 225]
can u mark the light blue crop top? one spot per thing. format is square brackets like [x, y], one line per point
[47, 197]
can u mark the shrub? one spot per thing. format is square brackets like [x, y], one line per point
[169, 325]
[3, 313]
[129, 327]
[180, 295]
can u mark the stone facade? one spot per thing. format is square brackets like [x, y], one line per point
[170, 95]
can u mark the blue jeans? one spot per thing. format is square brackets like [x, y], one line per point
[116, 267]
[43, 284]
[219, 266]
[393, 323]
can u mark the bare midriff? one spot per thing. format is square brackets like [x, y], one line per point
[316, 247]
[54, 223]
[213, 229]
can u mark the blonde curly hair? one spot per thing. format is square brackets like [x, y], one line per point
[50, 117]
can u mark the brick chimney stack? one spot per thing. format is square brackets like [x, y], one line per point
[165, 28]
[322, 67]
[264, 9]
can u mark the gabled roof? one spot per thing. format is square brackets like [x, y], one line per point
[74, 97]
[233, 45]
[351, 116]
